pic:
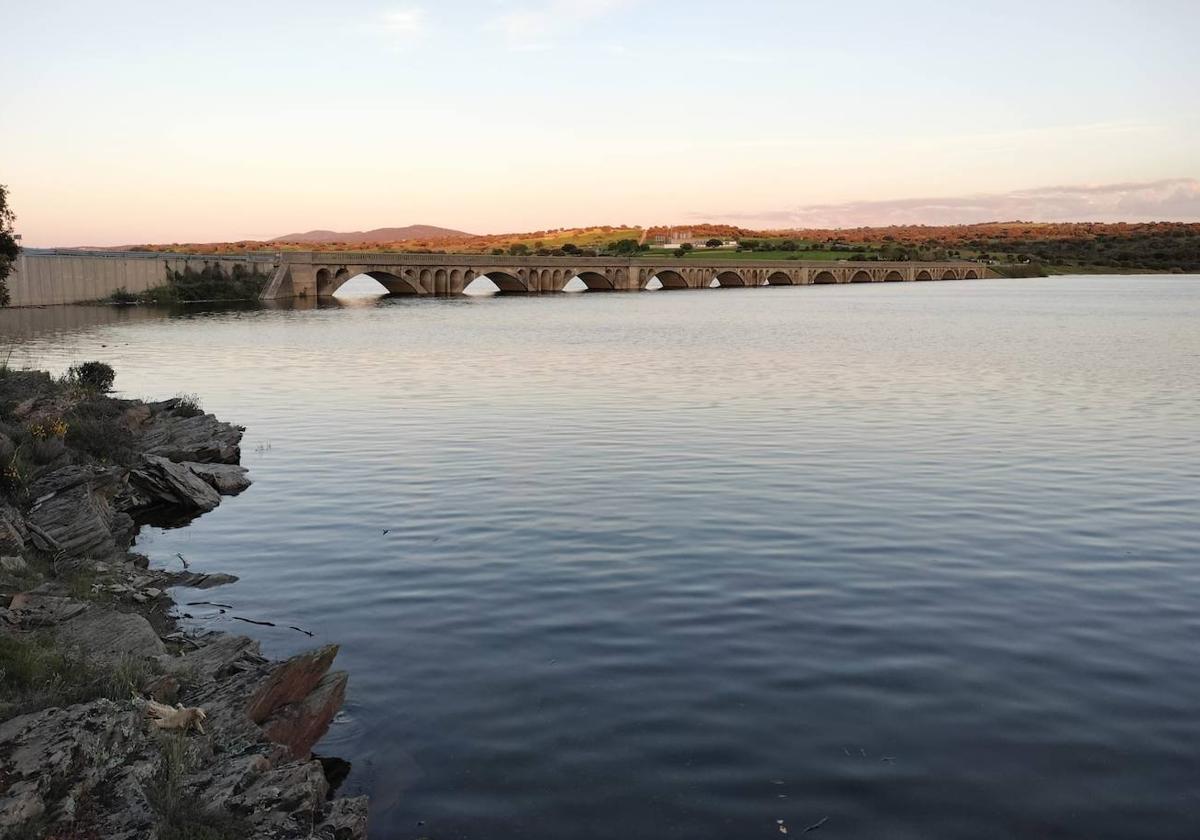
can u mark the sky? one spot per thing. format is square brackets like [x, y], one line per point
[127, 122]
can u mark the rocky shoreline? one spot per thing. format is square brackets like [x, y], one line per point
[114, 723]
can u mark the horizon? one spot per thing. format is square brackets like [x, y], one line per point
[500, 117]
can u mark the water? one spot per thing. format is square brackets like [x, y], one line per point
[920, 559]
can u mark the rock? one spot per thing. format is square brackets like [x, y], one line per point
[298, 726]
[290, 682]
[197, 580]
[203, 438]
[345, 819]
[162, 689]
[12, 530]
[34, 609]
[226, 479]
[13, 565]
[166, 483]
[109, 635]
[53, 758]
[134, 418]
[73, 513]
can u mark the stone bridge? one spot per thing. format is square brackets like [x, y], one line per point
[321, 273]
[45, 276]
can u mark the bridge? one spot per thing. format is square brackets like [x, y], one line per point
[321, 273]
[46, 277]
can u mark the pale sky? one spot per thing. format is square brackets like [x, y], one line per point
[126, 122]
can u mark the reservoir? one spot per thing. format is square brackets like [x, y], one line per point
[899, 560]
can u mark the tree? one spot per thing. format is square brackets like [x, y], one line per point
[623, 247]
[8, 244]
[684, 249]
[518, 249]
[713, 243]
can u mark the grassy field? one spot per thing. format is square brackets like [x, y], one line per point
[721, 254]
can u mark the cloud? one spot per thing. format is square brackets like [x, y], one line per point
[407, 22]
[1175, 199]
[537, 26]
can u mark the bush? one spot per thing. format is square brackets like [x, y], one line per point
[122, 297]
[92, 376]
[94, 427]
[188, 405]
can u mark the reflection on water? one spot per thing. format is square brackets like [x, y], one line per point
[920, 559]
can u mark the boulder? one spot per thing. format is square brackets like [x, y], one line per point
[72, 512]
[165, 483]
[226, 479]
[34, 609]
[104, 634]
[290, 682]
[298, 726]
[202, 438]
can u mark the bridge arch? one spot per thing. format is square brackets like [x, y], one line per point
[505, 280]
[395, 284]
[861, 276]
[595, 281]
[971, 274]
[668, 278]
[730, 278]
[779, 278]
[823, 277]
[949, 274]
[893, 276]
[924, 275]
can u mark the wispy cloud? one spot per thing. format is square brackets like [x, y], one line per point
[405, 23]
[1174, 199]
[538, 25]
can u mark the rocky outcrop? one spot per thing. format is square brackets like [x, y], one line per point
[226, 479]
[98, 769]
[201, 438]
[162, 482]
[73, 512]
[290, 682]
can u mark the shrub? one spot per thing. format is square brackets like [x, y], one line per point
[122, 297]
[188, 405]
[94, 427]
[92, 376]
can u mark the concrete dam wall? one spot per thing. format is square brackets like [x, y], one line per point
[48, 277]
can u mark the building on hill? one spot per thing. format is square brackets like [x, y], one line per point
[674, 238]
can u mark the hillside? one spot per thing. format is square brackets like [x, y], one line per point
[373, 237]
[1076, 246]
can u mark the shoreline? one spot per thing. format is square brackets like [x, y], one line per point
[114, 722]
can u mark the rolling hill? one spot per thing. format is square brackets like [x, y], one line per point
[425, 233]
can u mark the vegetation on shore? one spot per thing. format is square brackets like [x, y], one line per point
[8, 244]
[1064, 247]
[211, 283]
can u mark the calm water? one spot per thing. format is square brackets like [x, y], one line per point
[920, 559]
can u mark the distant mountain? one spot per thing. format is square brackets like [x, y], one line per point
[397, 234]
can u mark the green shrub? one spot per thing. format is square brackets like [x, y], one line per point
[122, 297]
[92, 376]
[188, 405]
[94, 427]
